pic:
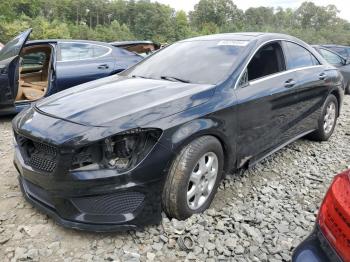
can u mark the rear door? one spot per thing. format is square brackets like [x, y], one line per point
[311, 88]
[9, 70]
[82, 62]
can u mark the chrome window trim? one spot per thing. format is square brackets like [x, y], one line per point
[74, 60]
[255, 81]
[276, 74]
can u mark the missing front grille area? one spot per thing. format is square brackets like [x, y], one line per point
[39, 156]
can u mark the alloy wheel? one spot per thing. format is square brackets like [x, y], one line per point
[329, 117]
[202, 180]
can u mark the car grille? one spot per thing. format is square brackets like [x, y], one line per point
[38, 155]
[113, 204]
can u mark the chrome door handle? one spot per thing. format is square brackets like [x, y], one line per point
[103, 67]
[322, 76]
[289, 83]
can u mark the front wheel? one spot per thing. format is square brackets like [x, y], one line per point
[327, 120]
[193, 178]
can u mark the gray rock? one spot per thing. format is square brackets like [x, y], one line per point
[32, 254]
[5, 238]
[20, 253]
[254, 233]
[239, 250]
[157, 246]
[231, 243]
[54, 246]
[118, 243]
[210, 246]
[150, 256]
[131, 256]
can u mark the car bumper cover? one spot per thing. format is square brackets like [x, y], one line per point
[315, 248]
[91, 204]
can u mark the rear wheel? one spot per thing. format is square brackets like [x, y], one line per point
[193, 178]
[327, 120]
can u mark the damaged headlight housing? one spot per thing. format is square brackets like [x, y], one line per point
[121, 152]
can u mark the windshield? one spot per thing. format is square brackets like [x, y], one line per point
[200, 62]
[13, 47]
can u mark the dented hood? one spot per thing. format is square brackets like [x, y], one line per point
[135, 101]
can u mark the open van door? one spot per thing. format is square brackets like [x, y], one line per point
[9, 71]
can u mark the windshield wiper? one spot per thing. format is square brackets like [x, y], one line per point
[175, 79]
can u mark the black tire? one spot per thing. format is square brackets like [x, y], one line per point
[174, 198]
[320, 134]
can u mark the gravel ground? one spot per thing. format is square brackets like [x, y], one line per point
[260, 215]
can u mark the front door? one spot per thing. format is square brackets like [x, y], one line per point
[9, 71]
[264, 104]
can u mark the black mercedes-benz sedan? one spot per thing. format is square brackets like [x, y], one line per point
[113, 153]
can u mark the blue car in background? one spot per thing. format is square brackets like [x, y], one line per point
[30, 70]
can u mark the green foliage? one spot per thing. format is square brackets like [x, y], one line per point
[44, 29]
[217, 12]
[116, 20]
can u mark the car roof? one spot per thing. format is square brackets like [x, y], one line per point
[123, 43]
[46, 41]
[244, 36]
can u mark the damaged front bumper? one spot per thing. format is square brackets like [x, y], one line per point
[98, 200]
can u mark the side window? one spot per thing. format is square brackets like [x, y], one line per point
[76, 51]
[81, 51]
[100, 50]
[331, 57]
[35, 59]
[298, 56]
[267, 61]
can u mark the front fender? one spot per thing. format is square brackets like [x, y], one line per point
[178, 137]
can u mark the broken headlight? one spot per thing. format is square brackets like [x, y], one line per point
[127, 149]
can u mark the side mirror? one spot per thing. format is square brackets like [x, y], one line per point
[243, 82]
[347, 61]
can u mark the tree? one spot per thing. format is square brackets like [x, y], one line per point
[259, 16]
[110, 20]
[182, 28]
[216, 12]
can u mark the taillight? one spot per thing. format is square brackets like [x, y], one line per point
[334, 215]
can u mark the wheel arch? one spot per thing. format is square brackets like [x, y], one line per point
[338, 96]
[190, 131]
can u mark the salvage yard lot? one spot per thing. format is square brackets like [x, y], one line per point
[258, 216]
